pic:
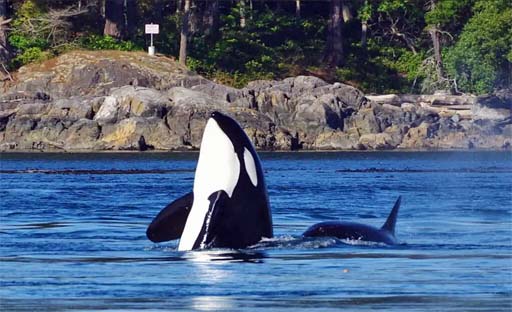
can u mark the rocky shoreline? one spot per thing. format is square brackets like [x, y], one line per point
[116, 101]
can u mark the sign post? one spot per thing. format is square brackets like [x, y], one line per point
[152, 29]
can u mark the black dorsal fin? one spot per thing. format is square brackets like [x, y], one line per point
[391, 221]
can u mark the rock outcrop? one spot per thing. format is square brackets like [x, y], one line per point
[130, 101]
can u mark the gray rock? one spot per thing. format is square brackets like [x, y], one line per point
[183, 97]
[138, 133]
[33, 109]
[236, 97]
[377, 141]
[502, 99]
[118, 100]
[336, 140]
[108, 111]
[485, 112]
[82, 135]
[141, 102]
[364, 121]
[73, 108]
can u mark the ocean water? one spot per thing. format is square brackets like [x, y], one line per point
[72, 234]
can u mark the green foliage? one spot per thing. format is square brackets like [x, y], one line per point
[446, 11]
[476, 40]
[365, 12]
[21, 37]
[22, 42]
[96, 42]
[479, 60]
[382, 69]
[261, 50]
[31, 55]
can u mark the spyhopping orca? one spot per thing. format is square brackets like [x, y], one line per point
[228, 207]
[357, 231]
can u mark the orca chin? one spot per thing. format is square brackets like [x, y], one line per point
[358, 231]
[228, 207]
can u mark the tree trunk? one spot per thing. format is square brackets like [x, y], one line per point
[334, 47]
[297, 8]
[184, 33]
[102, 8]
[129, 18]
[433, 31]
[3, 9]
[114, 18]
[251, 9]
[278, 6]
[212, 17]
[179, 5]
[364, 33]
[5, 53]
[242, 14]
[345, 8]
[436, 42]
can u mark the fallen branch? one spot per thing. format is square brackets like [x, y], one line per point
[5, 22]
[7, 72]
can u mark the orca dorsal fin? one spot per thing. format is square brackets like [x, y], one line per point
[391, 221]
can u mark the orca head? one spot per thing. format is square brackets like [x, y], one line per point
[242, 145]
[225, 153]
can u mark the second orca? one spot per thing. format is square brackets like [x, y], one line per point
[358, 231]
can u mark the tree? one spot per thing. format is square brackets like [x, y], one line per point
[212, 16]
[434, 33]
[184, 33]
[334, 47]
[442, 18]
[114, 19]
[481, 59]
[5, 53]
[364, 14]
[345, 9]
[130, 7]
[243, 21]
[400, 20]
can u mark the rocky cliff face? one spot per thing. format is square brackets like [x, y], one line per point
[130, 101]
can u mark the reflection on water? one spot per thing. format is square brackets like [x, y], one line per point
[227, 303]
[210, 303]
[229, 255]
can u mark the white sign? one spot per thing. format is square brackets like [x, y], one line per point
[152, 29]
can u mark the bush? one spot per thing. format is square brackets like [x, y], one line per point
[30, 55]
[96, 42]
[478, 60]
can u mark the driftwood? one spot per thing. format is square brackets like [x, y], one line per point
[6, 73]
[5, 22]
[431, 100]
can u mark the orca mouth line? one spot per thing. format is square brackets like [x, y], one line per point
[94, 171]
[408, 170]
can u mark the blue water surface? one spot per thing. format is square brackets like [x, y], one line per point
[74, 239]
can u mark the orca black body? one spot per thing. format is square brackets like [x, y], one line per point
[229, 205]
[358, 231]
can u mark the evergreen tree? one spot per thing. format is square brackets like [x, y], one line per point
[5, 53]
